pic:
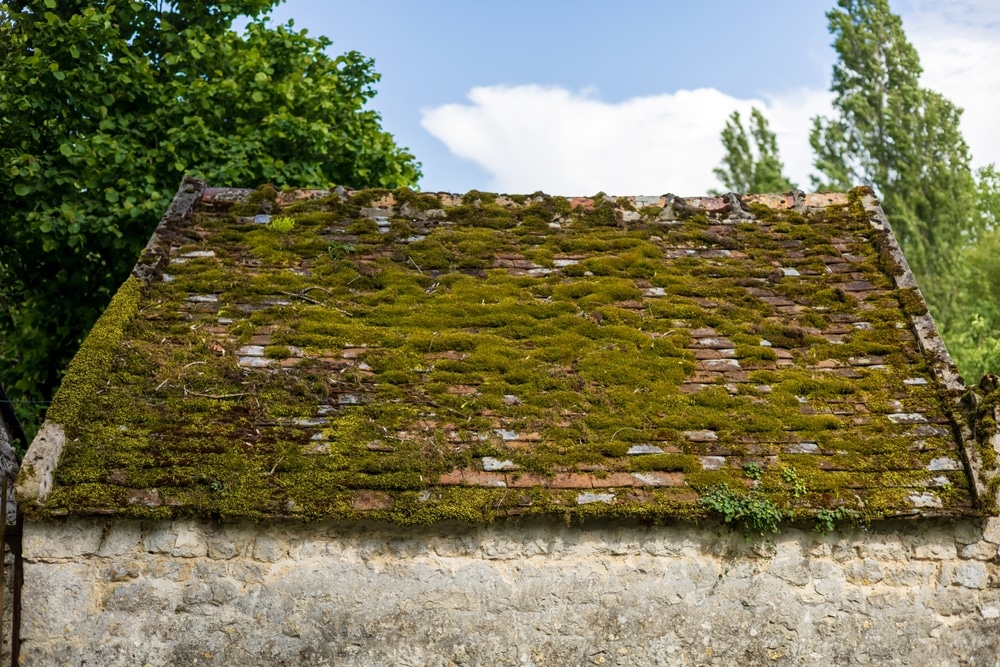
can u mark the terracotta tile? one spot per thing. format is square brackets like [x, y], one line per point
[480, 478]
[612, 480]
[526, 480]
[571, 480]
[453, 478]
[655, 478]
[372, 500]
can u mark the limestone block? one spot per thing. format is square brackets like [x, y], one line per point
[122, 570]
[991, 530]
[63, 539]
[190, 542]
[844, 550]
[623, 595]
[229, 540]
[120, 538]
[794, 570]
[160, 539]
[914, 573]
[269, 549]
[979, 551]
[935, 550]
[865, 572]
[955, 601]
[884, 550]
[197, 593]
[140, 597]
[969, 574]
[965, 532]
[63, 599]
[220, 547]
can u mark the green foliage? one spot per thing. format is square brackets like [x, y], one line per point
[974, 338]
[104, 107]
[826, 520]
[791, 476]
[336, 249]
[757, 515]
[747, 169]
[752, 511]
[752, 470]
[904, 141]
[900, 138]
[281, 224]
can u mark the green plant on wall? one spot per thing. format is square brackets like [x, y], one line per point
[791, 476]
[754, 513]
[826, 520]
[752, 470]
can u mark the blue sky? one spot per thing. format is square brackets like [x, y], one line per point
[573, 97]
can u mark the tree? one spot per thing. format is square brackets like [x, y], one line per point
[751, 170]
[900, 138]
[104, 106]
[904, 140]
[973, 337]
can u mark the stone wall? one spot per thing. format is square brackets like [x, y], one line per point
[8, 468]
[8, 464]
[112, 592]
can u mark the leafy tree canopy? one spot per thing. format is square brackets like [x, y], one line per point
[900, 138]
[751, 169]
[904, 141]
[104, 106]
[973, 334]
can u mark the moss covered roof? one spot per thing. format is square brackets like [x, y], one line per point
[417, 357]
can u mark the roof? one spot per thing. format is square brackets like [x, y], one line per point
[418, 357]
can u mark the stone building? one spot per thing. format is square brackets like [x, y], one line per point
[389, 428]
[11, 437]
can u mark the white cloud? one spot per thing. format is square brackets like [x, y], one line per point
[959, 46]
[790, 116]
[534, 137]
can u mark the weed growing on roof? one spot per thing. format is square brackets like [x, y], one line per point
[752, 470]
[281, 224]
[753, 512]
[826, 519]
[337, 250]
[791, 476]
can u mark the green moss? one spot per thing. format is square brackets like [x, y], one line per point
[261, 200]
[496, 334]
[87, 373]
[281, 224]
[277, 352]
[912, 302]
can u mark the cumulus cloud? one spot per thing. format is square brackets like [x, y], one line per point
[531, 137]
[534, 137]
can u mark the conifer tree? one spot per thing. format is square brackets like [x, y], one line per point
[901, 139]
[751, 169]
